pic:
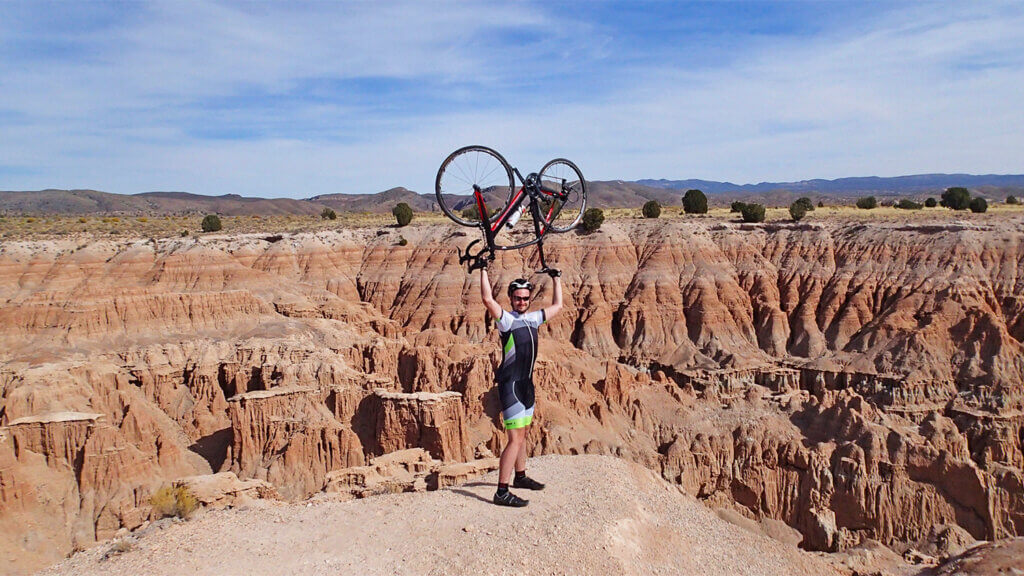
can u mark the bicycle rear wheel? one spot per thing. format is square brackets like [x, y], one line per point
[563, 177]
[467, 167]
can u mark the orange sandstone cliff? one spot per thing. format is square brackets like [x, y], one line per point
[855, 381]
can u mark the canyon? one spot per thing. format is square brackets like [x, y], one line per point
[858, 382]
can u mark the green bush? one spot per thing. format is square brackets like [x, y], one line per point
[472, 214]
[930, 203]
[173, 501]
[695, 202]
[821, 204]
[736, 206]
[403, 214]
[1012, 200]
[752, 212]
[957, 198]
[652, 209]
[592, 219]
[797, 211]
[211, 223]
[978, 205]
[806, 203]
[867, 203]
[907, 204]
[402, 241]
[329, 214]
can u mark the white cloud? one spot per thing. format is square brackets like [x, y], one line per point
[928, 87]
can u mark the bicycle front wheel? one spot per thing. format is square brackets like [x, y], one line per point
[468, 167]
[563, 209]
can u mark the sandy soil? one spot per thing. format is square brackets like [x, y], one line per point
[598, 515]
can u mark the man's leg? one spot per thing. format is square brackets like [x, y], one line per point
[521, 479]
[514, 450]
[521, 456]
[507, 462]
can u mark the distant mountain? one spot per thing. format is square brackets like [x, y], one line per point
[896, 185]
[148, 203]
[379, 202]
[602, 194]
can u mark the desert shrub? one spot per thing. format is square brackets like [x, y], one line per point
[30, 220]
[736, 206]
[752, 212]
[821, 204]
[211, 223]
[907, 204]
[695, 202]
[867, 203]
[184, 233]
[471, 213]
[83, 220]
[328, 214]
[402, 241]
[652, 209]
[403, 214]
[806, 203]
[173, 501]
[797, 211]
[957, 198]
[930, 203]
[142, 219]
[978, 205]
[1012, 200]
[592, 219]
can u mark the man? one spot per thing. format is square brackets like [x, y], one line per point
[518, 330]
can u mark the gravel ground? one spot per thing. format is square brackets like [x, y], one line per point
[598, 515]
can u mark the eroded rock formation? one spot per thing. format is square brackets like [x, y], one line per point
[857, 382]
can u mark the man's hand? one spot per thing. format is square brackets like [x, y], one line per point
[553, 272]
[478, 263]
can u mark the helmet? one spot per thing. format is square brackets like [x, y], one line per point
[519, 284]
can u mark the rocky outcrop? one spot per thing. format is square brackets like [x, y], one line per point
[432, 421]
[288, 437]
[224, 490]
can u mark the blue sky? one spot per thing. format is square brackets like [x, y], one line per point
[293, 99]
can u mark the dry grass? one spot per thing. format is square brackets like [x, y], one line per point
[173, 501]
[154, 226]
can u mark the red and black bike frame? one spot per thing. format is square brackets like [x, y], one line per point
[531, 191]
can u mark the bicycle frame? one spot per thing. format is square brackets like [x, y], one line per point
[531, 189]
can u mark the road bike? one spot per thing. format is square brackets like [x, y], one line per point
[473, 176]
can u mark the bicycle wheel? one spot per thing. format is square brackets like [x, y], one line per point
[563, 177]
[464, 168]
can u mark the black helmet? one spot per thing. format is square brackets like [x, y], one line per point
[519, 284]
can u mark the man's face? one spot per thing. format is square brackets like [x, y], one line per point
[521, 300]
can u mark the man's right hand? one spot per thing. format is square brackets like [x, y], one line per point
[478, 263]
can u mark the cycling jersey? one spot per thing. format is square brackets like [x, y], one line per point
[515, 374]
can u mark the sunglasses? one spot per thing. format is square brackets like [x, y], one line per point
[520, 298]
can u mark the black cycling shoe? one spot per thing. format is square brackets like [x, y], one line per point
[527, 483]
[509, 499]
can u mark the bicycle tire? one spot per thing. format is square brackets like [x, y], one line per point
[464, 168]
[564, 176]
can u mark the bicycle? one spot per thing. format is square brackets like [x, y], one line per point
[557, 197]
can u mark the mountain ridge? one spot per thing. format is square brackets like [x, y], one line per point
[602, 194]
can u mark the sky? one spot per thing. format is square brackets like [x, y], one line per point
[295, 99]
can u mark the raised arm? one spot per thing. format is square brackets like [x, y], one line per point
[485, 294]
[556, 297]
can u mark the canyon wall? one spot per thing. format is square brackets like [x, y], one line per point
[855, 381]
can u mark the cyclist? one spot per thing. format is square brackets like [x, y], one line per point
[518, 330]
